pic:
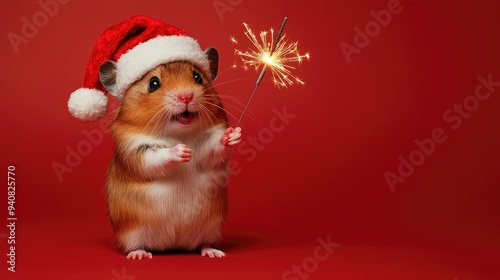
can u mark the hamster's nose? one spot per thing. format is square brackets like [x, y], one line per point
[185, 97]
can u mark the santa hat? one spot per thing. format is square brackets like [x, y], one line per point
[134, 46]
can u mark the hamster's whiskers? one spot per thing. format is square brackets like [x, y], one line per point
[224, 71]
[238, 102]
[163, 113]
[236, 108]
[220, 107]
[232, 98]
[205, 113]
[230, 81]
[251, 115]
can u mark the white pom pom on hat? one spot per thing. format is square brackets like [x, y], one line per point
[88, 104]
[138, 44]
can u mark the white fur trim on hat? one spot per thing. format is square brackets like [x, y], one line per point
[136, 62]
[88, 104]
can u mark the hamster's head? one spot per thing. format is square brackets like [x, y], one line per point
[173, 98]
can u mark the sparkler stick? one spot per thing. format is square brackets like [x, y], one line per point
[263, 72]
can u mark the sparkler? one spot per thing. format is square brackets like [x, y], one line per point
[275, 55]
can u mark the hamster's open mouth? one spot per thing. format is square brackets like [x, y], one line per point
[185, 118]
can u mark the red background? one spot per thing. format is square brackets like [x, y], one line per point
[322, 175]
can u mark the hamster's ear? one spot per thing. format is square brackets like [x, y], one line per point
[213, 58]
[107, 75]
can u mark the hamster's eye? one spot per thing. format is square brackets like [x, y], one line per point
[197, 77]
[154, 84]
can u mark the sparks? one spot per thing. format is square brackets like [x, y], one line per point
[276, 56]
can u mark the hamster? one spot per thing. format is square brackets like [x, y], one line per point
[168, 177]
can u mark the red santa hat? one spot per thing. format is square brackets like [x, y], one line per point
[135, 46]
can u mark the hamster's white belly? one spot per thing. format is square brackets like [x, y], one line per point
[184, 211]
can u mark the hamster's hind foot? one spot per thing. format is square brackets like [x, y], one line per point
[212, 253]
[139, 254]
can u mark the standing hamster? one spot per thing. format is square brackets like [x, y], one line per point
[167, 179]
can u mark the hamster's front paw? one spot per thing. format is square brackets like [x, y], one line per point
[232, 136]
[182, 153]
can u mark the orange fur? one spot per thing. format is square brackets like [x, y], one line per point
[155, 202]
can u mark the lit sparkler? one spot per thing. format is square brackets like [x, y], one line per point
[273, 55]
